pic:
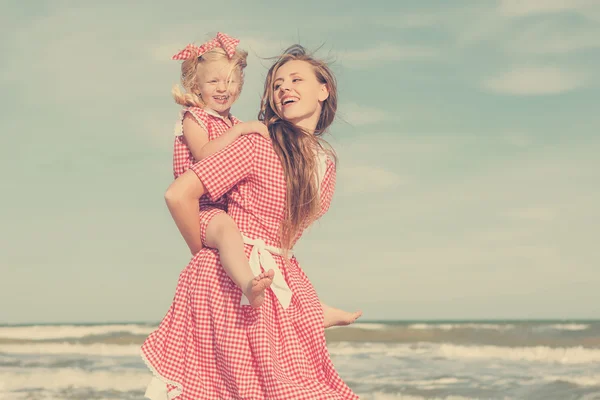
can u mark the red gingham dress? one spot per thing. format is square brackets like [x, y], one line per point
[215, 126]
[208, 346]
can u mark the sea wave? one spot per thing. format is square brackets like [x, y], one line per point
[540, 354]
[565, 327]
[592, 380]
[96, 349]
[53, 379]
[448, 327]
[48, 332]
[363, 325]
[390, 396]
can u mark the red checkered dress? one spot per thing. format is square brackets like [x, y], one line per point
[183, 159]
[208, 346]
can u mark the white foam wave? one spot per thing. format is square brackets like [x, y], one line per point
[395, 380]
[569, 327]
[369, 326]
[96, 349]
[41, 332]
[388, 396]
[543, 354]
[577, 380]
[53, 379]
[448, 327]
[539, 354]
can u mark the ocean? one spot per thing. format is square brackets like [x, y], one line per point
[413, 360]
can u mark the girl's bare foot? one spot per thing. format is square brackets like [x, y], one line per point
[257, 287]
[337, 317]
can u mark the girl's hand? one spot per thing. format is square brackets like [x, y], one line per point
[254, 127]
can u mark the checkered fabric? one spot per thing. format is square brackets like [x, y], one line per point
[183, 159]
[208, 346]
[222, 40]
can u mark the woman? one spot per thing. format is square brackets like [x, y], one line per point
[209, 346]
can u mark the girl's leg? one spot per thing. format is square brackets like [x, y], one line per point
[222, 234]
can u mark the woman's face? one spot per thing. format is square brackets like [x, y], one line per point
[298, 94]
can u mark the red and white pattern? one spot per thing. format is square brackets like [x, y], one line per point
[208, 346]
[222, 40]
[215, 125]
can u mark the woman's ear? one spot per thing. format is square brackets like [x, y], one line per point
[323, 93]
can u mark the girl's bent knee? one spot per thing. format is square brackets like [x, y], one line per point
[220, 228]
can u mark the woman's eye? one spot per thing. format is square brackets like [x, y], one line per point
[276, 87]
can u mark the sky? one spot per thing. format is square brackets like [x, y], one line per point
[468, 177]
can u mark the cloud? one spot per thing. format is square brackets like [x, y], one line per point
[80, 59]
[355, 179]
[539, 213]
[514, 226]
[385, 52]
[553, 37]
[519, 8]
[534, 81]
[356, 114]
[504, 27]
[263, 46]
[519, 140]
[409, 20]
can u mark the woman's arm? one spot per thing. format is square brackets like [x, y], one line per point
[196, 138]
[214, 176]
[230, 136]
[182, 200]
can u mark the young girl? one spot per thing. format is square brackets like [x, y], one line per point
[212, 76]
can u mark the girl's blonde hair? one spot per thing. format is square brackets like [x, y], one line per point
[191, 69]
[298, 149]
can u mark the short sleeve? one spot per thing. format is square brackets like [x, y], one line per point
[221, 171]
[327, 187]
[197, 114]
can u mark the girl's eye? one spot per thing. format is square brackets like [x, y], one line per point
[276, 87]
[296, 79]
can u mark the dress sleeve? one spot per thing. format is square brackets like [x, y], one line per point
[327, 187]
[222, 170]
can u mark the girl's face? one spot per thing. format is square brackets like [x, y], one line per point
[219, 85]
[298, 94]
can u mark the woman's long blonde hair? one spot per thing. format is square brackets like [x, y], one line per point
[191, 69]
[298, 149]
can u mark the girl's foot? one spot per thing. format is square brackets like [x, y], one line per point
[256, 291]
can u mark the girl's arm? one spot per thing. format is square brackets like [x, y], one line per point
[182, 200]
[197, 138]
